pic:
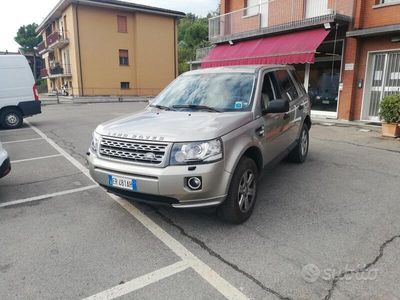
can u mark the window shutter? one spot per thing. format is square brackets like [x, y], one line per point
[122, 24]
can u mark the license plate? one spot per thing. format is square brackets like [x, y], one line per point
[325, 102]
[122, 182]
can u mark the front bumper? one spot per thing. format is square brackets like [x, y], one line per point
[5, 167]
[165, 186]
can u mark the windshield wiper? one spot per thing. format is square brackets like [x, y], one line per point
[197, 107]
[161, 107]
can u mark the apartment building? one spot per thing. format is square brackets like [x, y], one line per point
[109, 47]
[339, 47]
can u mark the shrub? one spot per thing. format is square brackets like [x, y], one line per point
[390, 109]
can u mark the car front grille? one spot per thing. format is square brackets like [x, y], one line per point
[146, 153]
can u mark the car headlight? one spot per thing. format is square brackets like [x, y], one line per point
[94, 146]
[196, 152]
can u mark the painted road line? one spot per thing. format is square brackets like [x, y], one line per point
[21, 141]
[35, 158]
[208, 274]
[13, 130]
[68, 156]
[37, 198]
[140, 282]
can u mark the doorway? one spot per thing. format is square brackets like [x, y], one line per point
[383, 79]
[315, 8]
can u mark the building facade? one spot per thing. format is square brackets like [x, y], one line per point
[108, 47]
[328, 41]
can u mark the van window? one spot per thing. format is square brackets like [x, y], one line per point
[288, 89]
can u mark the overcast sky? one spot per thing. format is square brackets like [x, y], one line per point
[14, 13]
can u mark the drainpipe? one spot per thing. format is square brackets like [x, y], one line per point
[79, 48]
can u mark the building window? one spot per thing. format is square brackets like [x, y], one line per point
[122, 24]
[123, 58]
[125, 85]
[252, 7]
[388, 1]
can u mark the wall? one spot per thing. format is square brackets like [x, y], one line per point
[150, 43]
[375, 17]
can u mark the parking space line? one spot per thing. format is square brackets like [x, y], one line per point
[35, 158]
[140, 282]
[41, 197]
[208, 274]
[21, 141]
[13, 130]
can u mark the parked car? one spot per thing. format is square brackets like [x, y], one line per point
[205, 139]
[5, 166]
[19, 97]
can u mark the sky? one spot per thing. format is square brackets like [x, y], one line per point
[15, 13]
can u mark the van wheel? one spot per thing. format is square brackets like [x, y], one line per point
[239, 204]
[300, 152]
[11, 118]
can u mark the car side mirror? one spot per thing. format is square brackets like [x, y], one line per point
[277, 106]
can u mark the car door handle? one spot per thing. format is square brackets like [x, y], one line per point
[301, 107]
[260, 131]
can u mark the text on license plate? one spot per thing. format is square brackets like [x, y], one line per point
[122, 182]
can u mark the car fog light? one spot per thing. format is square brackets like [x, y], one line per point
[194, 183]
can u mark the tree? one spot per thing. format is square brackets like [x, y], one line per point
[192, 35]
[27, 38]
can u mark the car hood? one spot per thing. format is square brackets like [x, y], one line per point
[174, 126]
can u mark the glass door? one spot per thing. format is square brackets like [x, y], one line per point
[384, 80]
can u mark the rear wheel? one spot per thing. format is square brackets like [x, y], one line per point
[239, 204]
[300, 152]
[11, 118]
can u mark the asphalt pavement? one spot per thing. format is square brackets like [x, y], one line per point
[327, 229]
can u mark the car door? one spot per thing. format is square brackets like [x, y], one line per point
[292, 119]
[273, 140]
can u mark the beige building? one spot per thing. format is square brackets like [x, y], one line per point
[108, 47]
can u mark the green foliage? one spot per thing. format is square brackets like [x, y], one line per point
[192, 34]
[27, 37]
[390, 109]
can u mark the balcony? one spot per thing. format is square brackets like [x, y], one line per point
[57, 39]
[56, 70]
[41, 48]
[278, 16]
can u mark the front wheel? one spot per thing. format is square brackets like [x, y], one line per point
[300, 152]
[239, 204]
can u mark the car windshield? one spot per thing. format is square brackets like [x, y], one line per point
[212, 92]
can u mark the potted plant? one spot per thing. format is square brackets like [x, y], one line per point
[390, 114]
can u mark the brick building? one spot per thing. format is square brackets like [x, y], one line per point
[344, 50]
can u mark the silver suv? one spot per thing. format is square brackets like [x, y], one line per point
[205, 139]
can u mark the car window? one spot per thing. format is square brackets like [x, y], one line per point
[286, 84]
[299, 82]
[222, 91]
[269, 91]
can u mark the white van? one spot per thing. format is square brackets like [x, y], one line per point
[19, 96]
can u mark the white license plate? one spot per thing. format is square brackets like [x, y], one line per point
[122, 182]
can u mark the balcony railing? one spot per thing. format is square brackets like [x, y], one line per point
[58, 70]
[41, 47]
[56, 36]
[44, 73]
[277, 15]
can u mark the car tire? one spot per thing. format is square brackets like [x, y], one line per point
[11, 118]
[239, 204]
[300, 152]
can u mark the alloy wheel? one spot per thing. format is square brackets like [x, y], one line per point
[247, 191]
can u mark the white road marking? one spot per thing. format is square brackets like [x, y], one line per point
[41, 197]
[35, 158]
[208, 274]
[21, 141]
[13, 130]
[140, 282]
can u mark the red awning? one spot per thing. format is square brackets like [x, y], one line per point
[290, 48]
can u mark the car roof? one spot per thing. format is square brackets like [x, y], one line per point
[251, 69]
